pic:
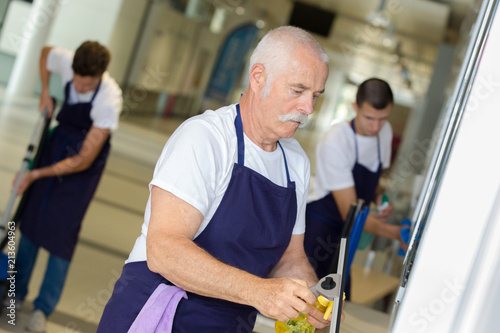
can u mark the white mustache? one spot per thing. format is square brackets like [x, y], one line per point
[298, 117]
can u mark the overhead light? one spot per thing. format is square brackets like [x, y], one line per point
[379, 17]
[394, 58]
[239, 10]
[388, 38]
[218, 20]
[388, 41]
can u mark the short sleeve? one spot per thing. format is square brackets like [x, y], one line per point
[192, 164]
[334, 161]
[107, 105]
[59, 61]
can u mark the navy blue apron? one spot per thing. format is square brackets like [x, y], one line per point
[56, 206]
[250, 230]
[323, 220]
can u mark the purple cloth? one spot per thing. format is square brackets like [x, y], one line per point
[157, 315]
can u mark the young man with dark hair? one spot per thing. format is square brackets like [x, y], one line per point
[349, 161]
[69, 171]
[91, 59]
[376, 93]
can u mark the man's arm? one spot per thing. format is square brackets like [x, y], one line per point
[294, 263]
[346, 196]
[172, 253]
[92, 145]
[45, 99]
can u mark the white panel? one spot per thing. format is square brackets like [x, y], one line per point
[479, 312]
[459, 220]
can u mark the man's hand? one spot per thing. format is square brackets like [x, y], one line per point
[385, 213]
[396, 231]
[27, 179]
[283, 298]
[46, 102]
[315, 318]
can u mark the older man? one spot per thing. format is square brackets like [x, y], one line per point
[225, 219]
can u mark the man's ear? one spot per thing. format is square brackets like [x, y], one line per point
[355, 107]
[257, 78]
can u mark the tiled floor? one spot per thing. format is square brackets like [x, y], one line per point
[113, 219]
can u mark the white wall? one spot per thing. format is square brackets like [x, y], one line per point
[123, 39]
[75, 22]
[65, 23]
[13, 26]
[81, 20]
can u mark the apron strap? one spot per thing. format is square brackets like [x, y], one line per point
[239, 134]
[241, 142]
[95, 92]
[378, 148]
[66, 91]
[286, 164]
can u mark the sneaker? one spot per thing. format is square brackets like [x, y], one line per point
[37, 322]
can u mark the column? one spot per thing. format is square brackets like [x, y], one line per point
[25, 72]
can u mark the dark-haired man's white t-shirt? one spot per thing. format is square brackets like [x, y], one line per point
[336, 156]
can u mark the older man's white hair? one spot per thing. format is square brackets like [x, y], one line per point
[275, 49]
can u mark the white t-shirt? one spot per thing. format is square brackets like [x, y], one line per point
[336, 156]
[107, 104]
[197, 161]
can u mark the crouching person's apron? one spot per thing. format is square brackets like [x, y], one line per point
[56, 205]
[250, 230]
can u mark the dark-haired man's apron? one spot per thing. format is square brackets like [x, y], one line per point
[56, 206]
[324, 222]
[250, 230]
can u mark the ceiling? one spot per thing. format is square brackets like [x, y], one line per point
[401, 51]
[417, 16]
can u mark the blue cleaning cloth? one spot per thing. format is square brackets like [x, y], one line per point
[405, 235]
[157, 315]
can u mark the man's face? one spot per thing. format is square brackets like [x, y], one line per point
[84, 84]
[369, 120]
[292, 95]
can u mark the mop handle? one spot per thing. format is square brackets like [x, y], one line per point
[24, 167]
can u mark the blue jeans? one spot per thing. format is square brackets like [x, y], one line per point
[53, 281]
